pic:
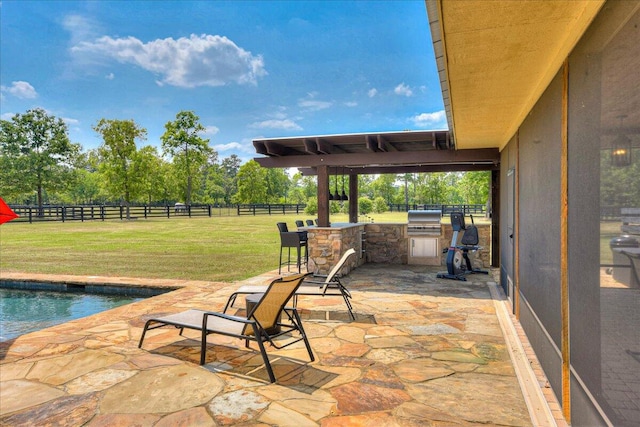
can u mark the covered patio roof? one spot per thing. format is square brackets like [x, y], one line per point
[374, 153]
[370, 153]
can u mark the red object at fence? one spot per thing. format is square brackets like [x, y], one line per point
[6, 214]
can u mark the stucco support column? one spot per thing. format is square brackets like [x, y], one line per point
[323, 196]
[353, 198]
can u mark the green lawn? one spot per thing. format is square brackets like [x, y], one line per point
[216, 249]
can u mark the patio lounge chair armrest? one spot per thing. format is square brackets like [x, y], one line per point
[228, 317]
[314, 282]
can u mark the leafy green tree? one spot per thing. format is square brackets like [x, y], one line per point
[310, 186]
[474, 187]
[87, 187]
[35, 155]
[120, 160]
[296, 189]
[432, 188]
[365, 188]
[277, 183]
[251, 179]
[182, 141]
[230, 167]
[151, 174]
[619, 186]
[384, 186]
[409, 184]
[214, 184]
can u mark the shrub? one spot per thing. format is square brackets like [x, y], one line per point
[365, 205]
[380, 205]
[312, 206]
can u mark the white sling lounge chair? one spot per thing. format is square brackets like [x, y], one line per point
[331, 285]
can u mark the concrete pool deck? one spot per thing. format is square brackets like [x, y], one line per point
[422, 351]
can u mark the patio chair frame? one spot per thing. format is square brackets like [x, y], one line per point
[253, 327]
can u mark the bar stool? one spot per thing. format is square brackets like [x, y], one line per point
[289, 240]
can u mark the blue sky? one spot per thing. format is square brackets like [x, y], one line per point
[249, 69]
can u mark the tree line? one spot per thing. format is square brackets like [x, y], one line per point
[40, 165]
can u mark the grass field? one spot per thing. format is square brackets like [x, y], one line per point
[217, 249]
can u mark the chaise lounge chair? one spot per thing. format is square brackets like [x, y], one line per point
[331, 285]
[258, 325]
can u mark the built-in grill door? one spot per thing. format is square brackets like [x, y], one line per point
[424, 232]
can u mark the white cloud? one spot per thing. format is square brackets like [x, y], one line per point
[372, 92]
[403, 90]
[203, 60]
[228, 146]
[351, 104]
[110, 76]
[70, 122]
[312, 104]
[80, 27]
[284, 124]
[7, 116]
[20, 89]
[243, 149]
[210, 130]
[437, 119]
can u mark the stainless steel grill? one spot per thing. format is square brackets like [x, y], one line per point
[424, 223]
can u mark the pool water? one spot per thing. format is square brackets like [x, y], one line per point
[23, 311]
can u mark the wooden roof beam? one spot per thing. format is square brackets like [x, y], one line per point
[260, 148]
[383, 145]
[275, 149]
[381, 170]
[310, 146]
[325, 147]
[370, 143]
[430, 157]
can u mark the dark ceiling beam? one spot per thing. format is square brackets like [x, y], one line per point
[275, 149]
[324, 147]
[381, 170]
[310, 146]
[260, 148]
[383, 145]
[484, 155]
[370, 143]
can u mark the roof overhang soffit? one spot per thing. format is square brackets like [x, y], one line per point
[495, 59]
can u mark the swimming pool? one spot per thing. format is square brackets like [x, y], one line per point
[23, 310]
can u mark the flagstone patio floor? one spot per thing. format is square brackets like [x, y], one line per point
[422, 352]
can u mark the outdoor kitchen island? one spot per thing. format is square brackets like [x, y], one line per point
[387, 243]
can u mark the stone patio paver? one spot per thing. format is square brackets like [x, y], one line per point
[422, 352]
